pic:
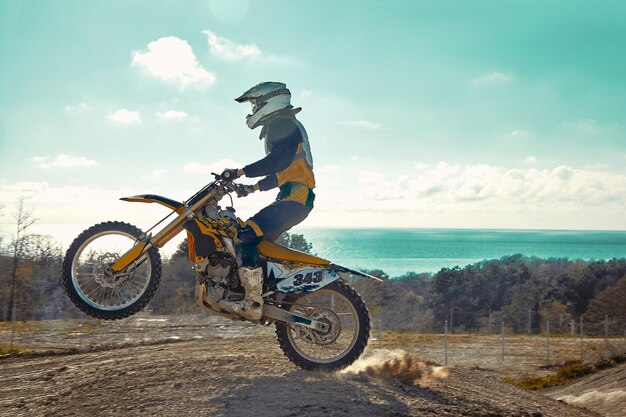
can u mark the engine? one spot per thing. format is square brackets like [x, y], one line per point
[220, 268]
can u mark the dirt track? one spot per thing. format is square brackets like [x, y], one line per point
[244, 376]
[604, 392]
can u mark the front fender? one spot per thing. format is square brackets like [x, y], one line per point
[153, 198]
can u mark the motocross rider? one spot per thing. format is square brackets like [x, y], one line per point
[288, 165]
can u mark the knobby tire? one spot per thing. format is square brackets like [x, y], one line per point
[282, 334]
[155, 273]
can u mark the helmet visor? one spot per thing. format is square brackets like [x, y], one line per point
[256, 105]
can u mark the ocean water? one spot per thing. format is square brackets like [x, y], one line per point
[397, 251]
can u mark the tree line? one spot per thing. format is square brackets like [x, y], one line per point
[523, 292]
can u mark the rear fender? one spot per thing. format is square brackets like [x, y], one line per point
[346, 272]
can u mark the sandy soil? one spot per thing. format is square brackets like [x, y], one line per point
[249, 376]
[522, 355]
[604, 392]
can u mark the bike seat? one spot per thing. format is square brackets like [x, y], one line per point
[275, 251]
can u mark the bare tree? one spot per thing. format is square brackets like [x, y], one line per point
[23, 221]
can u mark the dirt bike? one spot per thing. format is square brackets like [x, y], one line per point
[113, 269]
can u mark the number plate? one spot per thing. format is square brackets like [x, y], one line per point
[298, 279]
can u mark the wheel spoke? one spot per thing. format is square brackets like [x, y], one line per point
[338, 340]
[98, 288]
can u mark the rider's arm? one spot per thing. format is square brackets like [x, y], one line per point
[287, 137]
[269, 182]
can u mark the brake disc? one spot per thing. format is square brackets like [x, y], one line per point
[104, 275]
[319, 337]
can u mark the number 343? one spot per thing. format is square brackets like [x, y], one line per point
[308, 278]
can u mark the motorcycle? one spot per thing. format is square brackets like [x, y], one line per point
[113, 269]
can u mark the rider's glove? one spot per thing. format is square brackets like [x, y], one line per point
[244, 190]
[230, 174]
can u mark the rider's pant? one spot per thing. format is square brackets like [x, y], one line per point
[292, 206]
[277, 218]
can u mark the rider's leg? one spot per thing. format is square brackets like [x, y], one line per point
[269, 223]
[278, 217]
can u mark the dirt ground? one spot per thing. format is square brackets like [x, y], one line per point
[247, 375]
[604, 391]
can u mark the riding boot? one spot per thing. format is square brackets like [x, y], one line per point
[251, 307]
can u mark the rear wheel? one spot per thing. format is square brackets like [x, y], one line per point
[91, 283]
[343, 310]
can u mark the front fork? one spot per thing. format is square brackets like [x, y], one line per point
[136, 255]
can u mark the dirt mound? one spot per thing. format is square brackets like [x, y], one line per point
[604, 392]
[396, 366]
[249, 376]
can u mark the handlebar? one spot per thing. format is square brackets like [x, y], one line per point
[229, 184]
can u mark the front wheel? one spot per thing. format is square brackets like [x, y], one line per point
[343, 309]
[91, 283]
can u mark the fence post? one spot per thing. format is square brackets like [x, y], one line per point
[502, 342]
[379, 332]
[582, 349]
[451, 319]
[548, 341]
[12, 326]
[445, 330]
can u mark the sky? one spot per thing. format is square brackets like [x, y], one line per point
[421, 114]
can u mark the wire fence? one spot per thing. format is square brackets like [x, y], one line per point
[531, 321]
[498, 347]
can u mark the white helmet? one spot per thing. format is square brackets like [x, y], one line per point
[266, 98]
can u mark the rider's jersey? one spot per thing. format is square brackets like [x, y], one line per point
[288, 163]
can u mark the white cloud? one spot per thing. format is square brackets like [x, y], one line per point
[481, 195]
[52, 202]
[492, 78]
[62, 161]
[173, 115]
[172, 60]
[585, 127]
[125, 116]
[530, 160]
[154, 175]
[217, 166]
[328, 169]
[76, 109]
[72, 208]
[228, 50]
[419, 165]
[355, 157]
[304, 94]
[519, 133]
[444, 195]
[363, 124]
